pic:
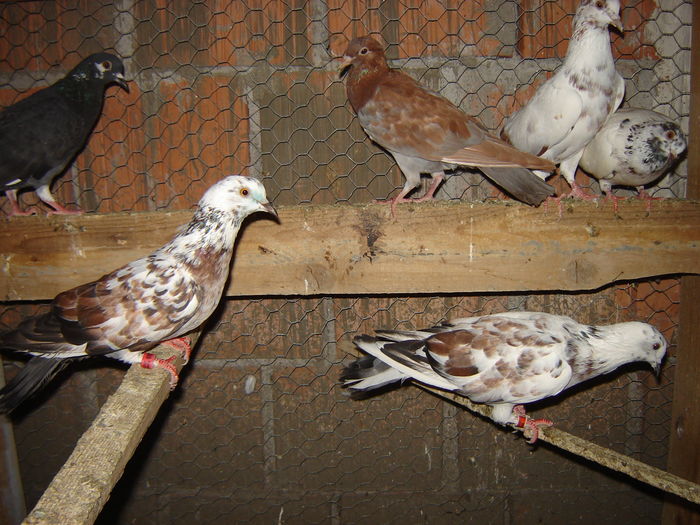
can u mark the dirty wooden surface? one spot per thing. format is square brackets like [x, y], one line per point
[343, 249]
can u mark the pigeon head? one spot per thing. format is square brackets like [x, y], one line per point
[101, 68]
[599, 13]
[363, 54]
[670, 139]
[645, 343]
[245, 195]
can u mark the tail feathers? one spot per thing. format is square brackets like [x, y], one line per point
[520, 183]
[368, 376]
[40, 335]
[34, 375]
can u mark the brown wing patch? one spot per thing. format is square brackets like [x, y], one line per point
[443, 343]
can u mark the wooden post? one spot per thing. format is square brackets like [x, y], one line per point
[81, 488]
[684, 447]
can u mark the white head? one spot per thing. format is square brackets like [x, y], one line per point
[236, 193]
[646, 343]
[599, 13]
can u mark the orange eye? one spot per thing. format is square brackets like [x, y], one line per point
[656, 346]
[106, 65]
[599, 4]
[244, 192]
[670, 135]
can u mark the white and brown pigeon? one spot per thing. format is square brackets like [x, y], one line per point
[41, 134]
[426, 133]
[568, 109]
[634, 148]
[503, 360]
[158, 298]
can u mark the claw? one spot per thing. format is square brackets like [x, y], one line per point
[530, 427]
[151, 361]
[182, 345]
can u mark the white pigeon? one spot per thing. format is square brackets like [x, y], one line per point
[634, 148]
[503, 360]
[568, 109]
[155, 299]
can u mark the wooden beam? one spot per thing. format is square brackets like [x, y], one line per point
[342, 249]
[79, 491]
[684, 452]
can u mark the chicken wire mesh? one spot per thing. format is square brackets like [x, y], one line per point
[258, 430]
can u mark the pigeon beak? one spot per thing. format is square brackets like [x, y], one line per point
[345, 63]
[617, 24]
[267, 207]
[121, 81]
[657, 369]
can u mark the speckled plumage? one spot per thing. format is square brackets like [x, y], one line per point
[568, 109]
[634, 148]
[426, 133]
[502, 359]
[41, 134]
[156, 298]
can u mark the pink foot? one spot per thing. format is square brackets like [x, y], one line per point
[531, 427]
[615, 200]
[182, 345]
[57, 209]
[642, 194]
[151, 361]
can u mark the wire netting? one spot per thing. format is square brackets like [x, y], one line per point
[258, 430]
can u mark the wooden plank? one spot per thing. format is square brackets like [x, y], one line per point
[79, 491]
[343, 249]
[684, 453]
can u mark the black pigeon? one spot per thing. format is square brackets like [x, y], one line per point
[41, 134]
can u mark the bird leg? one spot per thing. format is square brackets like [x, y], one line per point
[615, 200]
[151, 361]
[16, 210]
[401, 197]
[642, 194]
[531, 427]
[46, 197]
[182, 345]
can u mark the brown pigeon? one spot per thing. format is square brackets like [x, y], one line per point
[426, 133]
[158, 298]
[503, 360]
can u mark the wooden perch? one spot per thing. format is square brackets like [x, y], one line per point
[81, 488]
[603, 456]
[441, 247]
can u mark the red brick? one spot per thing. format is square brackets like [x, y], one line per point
[199, 135]
[419, 28]
[546, 29]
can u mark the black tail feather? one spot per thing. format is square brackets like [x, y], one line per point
[34, 375]
[520, 183]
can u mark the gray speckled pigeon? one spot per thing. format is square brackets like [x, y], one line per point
[155, 299]
[41, 134]
[634, 148]
[503, 360]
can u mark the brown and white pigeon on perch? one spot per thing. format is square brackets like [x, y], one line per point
[503, 360]
[156, 299]
[426, 133]
[568, 109]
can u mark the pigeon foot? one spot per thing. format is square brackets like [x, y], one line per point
[182, 345]
[151, 361]
[530, 426]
